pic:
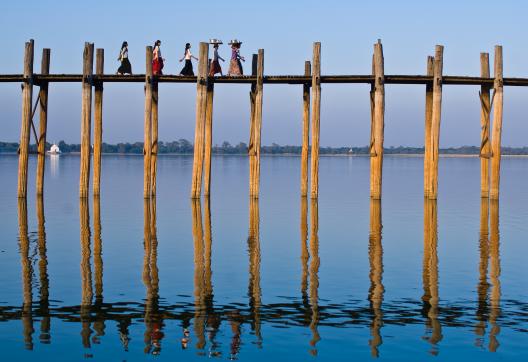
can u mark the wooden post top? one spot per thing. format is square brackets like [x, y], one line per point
[498, 83]
[148, 61]
[99, 61]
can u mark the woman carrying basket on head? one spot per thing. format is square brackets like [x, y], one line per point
[235, 66]
[125, 67]
[214, 67]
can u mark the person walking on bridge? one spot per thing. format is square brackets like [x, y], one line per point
[235, 66]
[187, 55]
[157, 60]
[125, 67]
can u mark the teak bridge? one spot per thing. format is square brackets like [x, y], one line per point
[490, 149]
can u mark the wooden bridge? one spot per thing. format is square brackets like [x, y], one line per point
[311, 80]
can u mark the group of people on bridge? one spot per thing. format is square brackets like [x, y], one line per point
[235, 64]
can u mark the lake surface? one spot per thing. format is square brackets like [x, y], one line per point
[281, 278]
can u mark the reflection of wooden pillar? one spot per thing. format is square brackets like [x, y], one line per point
[430, 273]
[208, 251]
[495, 271]
[314, 277]
[98, 250]
[254, 291]
[376, 289]
[199, 274]
[45, 336]
[86, 272]
[304, 248]
[27, 274]
[43, 121]
[483, 286]
[485, 144]
[153, 321]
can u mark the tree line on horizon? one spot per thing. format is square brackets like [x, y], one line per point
[183, 146]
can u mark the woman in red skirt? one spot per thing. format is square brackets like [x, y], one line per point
[157, 60]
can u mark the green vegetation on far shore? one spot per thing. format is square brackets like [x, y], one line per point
[183, 146]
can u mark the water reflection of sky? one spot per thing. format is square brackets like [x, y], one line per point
[252, 279]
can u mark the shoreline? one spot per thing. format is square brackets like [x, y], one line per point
[410, 155]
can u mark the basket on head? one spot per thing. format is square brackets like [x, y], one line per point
[235, 42]
[215, 41]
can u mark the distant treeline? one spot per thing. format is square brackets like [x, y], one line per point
[183, 146]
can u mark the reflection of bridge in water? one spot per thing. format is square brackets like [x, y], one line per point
[202, 318]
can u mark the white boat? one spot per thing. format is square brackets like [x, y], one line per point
[54, 150]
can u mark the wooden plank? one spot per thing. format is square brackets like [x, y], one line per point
[98, 122]
[274, 79]
[43, 122]
[316, 113]
[497, 124]
[305, 131]
[378, 125]
[201, 106]
[435, 122]
[86, 120]
[427, 130]
[485, 145]
[27, 99]
[257, 119]
[147, 143]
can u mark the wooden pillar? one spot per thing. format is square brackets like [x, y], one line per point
[316, 112]
[378, 123]
[497, 125]
[428, 118]
[86, 119]
[485, 108]
[435, 121]
[305, 131]
[147, 146]
[254, 186]
[43, 121]
[199, 132]
[155, 148]
[98, 122]
[208, 137]
[251, 142]
[27, 99]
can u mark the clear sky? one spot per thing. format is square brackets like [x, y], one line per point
[285, 30]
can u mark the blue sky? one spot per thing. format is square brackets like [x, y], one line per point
[286, 30]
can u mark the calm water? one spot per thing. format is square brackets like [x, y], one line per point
[283, 278]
